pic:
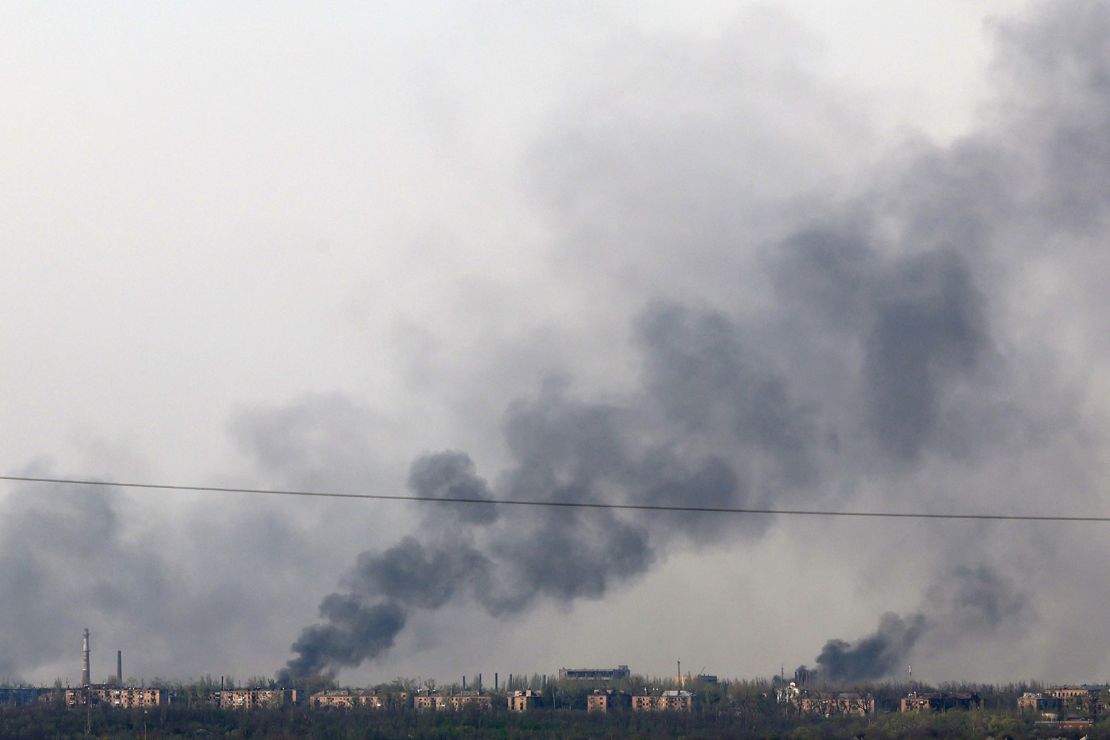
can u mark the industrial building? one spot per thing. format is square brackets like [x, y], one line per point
[594, 674]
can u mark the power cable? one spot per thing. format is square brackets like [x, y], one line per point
[557, 504]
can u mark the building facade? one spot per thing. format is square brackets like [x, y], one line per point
[121, 697]
[938, 701]
[436, 702]
[604, 700]
[668, 701]
[523, 701]
[246, 699]
[594, 674]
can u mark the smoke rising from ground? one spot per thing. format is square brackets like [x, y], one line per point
[874, 656]
[967, 603]
[875, 347]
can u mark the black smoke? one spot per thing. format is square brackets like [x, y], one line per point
[873, 343]
[874, 656]
[966, 603]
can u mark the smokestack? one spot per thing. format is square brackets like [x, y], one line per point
[464, 683]
[85, 659]
[495, 680]
[479, 686]
[119, 668]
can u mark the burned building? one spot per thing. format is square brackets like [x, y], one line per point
[668, 701]
[436, 702]
[119, 697]
[938, 701]
[523, 701]
[604, 700]
[1035, 702]
[246, 699]
[352, 699]
[845, 704]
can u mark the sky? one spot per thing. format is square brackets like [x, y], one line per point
[791, 254]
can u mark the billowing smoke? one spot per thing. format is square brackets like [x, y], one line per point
[870, 346]
[967, 603]
[874, 656]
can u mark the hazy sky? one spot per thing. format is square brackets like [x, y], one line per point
[803, 253]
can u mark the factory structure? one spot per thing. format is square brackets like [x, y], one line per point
[113, 694]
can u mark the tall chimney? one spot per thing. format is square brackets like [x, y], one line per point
[119, 668]
[85, 659]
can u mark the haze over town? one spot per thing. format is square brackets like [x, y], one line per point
[755, 254]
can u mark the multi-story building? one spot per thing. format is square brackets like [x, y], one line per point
[254, 698]
[668, 701]
[594, 674]
[602, 700]
[437, 702]
[469, 700]
[830, 705]
[938, 701]
[1074, 697]
[24, 695]
[1034, 702]
[121, 697]
[523, 701]
[347, 699]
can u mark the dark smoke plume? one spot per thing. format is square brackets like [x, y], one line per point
[879, 354]
[874, 656]
[967, 603]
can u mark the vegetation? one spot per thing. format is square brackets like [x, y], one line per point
[725, 709]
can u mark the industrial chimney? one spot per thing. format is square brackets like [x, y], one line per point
[119, 668]
[85, 659]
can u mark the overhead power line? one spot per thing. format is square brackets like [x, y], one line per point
[556, 504]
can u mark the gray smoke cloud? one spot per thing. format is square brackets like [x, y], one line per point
[967, 603]
[874, 656]
[925, 335]
[871, 343]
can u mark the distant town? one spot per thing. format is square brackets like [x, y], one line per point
[802, 697]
